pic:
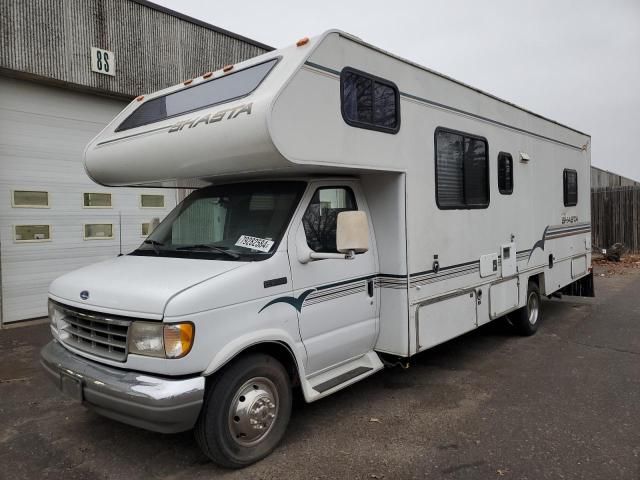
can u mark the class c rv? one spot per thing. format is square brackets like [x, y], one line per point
[353, 209]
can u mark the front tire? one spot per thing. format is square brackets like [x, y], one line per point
[527, 319]
[246, 411]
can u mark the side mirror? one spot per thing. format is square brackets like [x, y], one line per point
[352, 234]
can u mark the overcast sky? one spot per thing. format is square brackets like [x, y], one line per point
[577, 62]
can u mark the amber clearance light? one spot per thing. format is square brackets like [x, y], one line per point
[302, 41]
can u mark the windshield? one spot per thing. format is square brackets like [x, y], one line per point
[232, 222]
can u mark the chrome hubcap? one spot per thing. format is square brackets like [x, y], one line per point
[253, 411]
[533, 305]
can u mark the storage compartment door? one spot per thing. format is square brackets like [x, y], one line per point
[445, 319]
[503, 297]
[578, 266]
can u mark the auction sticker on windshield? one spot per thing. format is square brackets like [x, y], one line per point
[255, 243]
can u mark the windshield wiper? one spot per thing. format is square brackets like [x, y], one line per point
[155, 244]
[203, 246]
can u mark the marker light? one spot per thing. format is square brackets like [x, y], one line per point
[188, 82]
[207, 75]
[178, 339]
[302, 41]
[227, 68]
[139, 98]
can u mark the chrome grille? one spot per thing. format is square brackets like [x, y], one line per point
[95, 333]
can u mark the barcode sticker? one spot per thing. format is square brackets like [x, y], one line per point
[254, 243]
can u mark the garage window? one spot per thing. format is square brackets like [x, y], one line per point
[98, 231]
[146, 228]
[32, 233]
[97, 200]
[30, 199]
[152, 201]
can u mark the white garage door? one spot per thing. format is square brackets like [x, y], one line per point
[52, 218]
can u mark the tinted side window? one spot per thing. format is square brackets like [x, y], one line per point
[320, 219]
[219, 90]
[369, 102]
[462, 170]
[505, 173]
[570, 186]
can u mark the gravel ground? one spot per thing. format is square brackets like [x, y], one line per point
[562, 404]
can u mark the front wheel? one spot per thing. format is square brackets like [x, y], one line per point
[527, 319]
[246, 411]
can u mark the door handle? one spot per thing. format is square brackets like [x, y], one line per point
[370, 287]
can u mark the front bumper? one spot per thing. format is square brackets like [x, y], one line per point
[155, 403]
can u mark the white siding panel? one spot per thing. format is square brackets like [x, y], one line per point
[43, 132]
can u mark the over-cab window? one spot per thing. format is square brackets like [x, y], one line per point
[321, 217]
[222, 89]
[505, 173]
[369, 102]
[570, 188]
[462, 170]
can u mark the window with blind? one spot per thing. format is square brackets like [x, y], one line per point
[505, 173]
[570, 187]
[462, 170]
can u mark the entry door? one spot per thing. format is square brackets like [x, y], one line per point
[336, 300]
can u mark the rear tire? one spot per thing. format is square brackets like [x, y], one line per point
[246, 411]
[527, 319]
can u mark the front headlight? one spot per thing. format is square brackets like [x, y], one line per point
[155, 339]
[55, 314]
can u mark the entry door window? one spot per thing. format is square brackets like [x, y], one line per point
[320, 219]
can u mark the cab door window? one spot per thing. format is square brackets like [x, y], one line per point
[320, 218]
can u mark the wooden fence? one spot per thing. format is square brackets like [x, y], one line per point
[615, 217]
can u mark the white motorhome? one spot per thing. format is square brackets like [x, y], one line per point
[355, 210]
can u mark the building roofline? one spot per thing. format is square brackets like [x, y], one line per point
[200, 23]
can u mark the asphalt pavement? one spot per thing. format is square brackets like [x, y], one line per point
[563, 404]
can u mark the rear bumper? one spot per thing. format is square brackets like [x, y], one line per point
[159, 404]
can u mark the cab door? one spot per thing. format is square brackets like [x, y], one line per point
[336, 299]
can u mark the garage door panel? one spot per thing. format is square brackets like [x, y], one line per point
[43, 133]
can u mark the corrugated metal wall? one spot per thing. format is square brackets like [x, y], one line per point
[52, 39]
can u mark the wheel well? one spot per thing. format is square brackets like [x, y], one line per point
[536, 279]
[277, 350]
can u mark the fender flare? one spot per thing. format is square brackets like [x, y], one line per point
[272, 335]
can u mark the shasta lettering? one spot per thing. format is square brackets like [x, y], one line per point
[209, 118]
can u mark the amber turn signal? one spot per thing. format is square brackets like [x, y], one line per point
[178, 339]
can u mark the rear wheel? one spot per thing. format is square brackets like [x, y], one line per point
[246, 411]
[527, 319]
